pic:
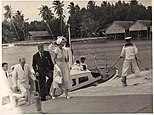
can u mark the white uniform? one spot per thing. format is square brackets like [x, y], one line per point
[81, 66]
[4, 83]
[129, 51]
[21, 78]
[76, 66]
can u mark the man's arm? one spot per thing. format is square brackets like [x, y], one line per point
[31, 74]
[136, 50]
[122, 52]
[35, 68]
[34, 64]
[14, 79]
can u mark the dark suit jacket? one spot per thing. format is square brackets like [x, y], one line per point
[42, 65]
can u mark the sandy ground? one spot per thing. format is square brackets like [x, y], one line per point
[135, 98]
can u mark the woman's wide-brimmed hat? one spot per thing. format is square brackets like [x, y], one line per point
[60, 39]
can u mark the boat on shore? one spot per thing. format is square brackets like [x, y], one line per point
[82, 79]
[88, 78]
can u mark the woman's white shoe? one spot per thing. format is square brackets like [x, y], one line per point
[67, 97]
[53, 97]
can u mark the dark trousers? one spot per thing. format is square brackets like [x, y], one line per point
[45, 86]
[42, 82]
[49, 82]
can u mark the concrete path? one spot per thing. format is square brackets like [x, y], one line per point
[109, 97]
[95, 104]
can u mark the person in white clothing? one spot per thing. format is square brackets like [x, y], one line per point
[76, 65]
[129, 52]
[5, 75]
[21, 75]
[83, 65]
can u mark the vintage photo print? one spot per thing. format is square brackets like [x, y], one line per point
[76, 57]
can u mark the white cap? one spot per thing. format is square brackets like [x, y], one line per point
[127, 38]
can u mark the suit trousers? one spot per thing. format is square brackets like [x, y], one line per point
[45, 84]
[49, 82]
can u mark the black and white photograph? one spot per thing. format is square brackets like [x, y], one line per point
[76, 57]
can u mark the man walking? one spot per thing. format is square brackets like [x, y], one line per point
[21, 76]
[43, 67]
[129, 52]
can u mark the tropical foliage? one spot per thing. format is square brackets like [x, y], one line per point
[84, 22]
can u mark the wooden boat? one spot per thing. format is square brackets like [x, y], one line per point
[87, 78]
[82, 79]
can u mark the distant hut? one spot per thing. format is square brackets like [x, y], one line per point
[37, 35]
[118, 29]
[141, 29]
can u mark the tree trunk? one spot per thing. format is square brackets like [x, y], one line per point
[24, 34]
[50, 30]
[15, 30]
[61, 25]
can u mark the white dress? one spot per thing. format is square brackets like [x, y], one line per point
[60, 60]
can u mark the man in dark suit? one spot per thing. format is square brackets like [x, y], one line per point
[43, 67]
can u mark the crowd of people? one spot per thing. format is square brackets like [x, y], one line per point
[54, 70]
[47, 69]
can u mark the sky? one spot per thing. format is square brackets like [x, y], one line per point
[30, 8]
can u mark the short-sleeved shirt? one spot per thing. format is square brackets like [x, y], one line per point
[129, 51]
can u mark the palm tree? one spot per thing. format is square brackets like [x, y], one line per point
[8, 16]
[20, 22]
[58, 8]
[47, 16]
[71, 20]
[71, 8]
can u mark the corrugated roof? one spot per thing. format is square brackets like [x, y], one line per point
[124, 24]
[39, 33]
[146, 23]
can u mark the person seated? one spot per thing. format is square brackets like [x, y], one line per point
[5, 75]
[76, 65]
[83, 66]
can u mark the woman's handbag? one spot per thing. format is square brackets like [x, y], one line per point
[58, 79]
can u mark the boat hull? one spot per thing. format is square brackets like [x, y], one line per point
[84, 79]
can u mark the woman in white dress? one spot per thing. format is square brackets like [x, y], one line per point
[60, 60]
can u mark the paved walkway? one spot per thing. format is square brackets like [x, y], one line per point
[95, 104]
[107, 97]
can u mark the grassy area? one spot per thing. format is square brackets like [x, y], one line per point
[112, 49]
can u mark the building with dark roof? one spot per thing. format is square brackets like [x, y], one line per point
[119, 29]
[38, 35]
[141, 29]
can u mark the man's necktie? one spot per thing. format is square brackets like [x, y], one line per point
[6, 74]
[23, 67]
[42, 55]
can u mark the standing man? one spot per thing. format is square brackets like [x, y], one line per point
[129, 52]
[21, 76]
[43, 67]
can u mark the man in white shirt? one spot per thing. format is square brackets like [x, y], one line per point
[129, 52]
[21, 75]
[5, 75]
